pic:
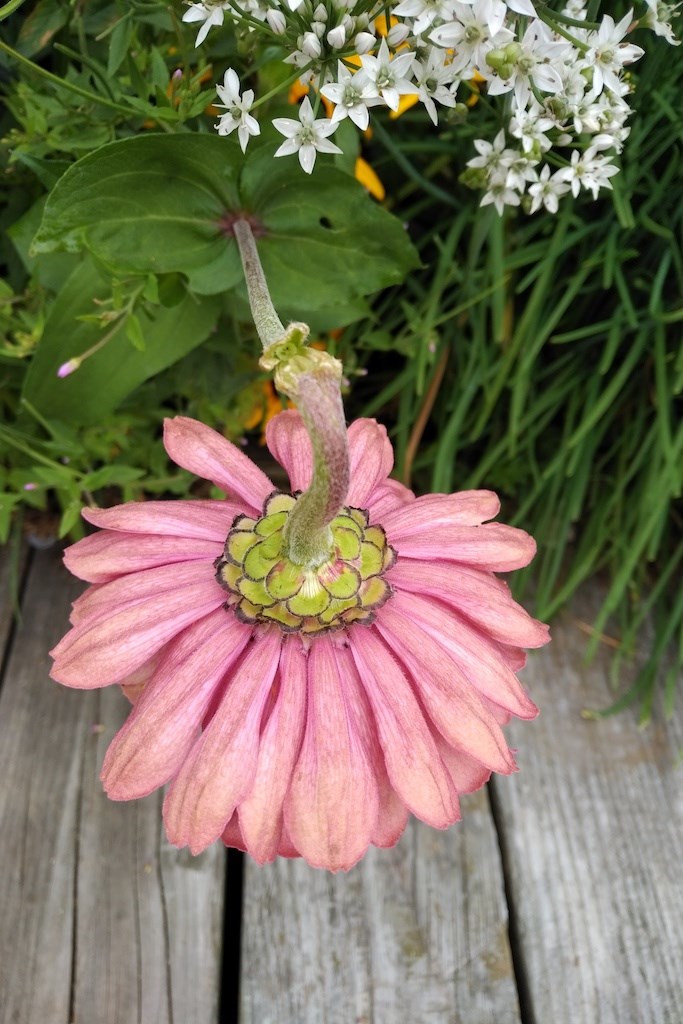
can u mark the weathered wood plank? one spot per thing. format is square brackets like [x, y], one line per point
[417, 933]
[101, 921]
[593, 829]
[6, 609]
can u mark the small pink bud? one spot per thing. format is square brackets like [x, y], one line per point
[69, 367]
[30, 486]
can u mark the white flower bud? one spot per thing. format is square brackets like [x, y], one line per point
[362, 22]
[364, 42]
[277, 21]
[349, 24]
[336, 37]
[310, 44]
[318, 28]
[320, 13]
[397, 35]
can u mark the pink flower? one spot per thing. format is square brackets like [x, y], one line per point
[312, 724]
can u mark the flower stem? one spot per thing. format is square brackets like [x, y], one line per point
[312, 379]
[267, 322]
[307, 536]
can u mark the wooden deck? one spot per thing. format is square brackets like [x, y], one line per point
[557, 900]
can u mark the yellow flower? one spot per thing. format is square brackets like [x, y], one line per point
[269, 404]
[369, 179]
[404, 103]
[381, 24]
[475, 82]
[298, 91]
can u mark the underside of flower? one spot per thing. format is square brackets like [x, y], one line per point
[266, 586]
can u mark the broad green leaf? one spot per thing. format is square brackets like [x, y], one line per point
[106, 377]
[119, 43]
[164, 203]
[52, 269]
[39, 27]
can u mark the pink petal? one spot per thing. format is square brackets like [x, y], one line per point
[219, 770]
[104, 599]
[332, 805]
[106, 555]
[392, 817]
[467, 774]
[493, 546]
[476, 658]
[467, 508]
[287, 847]
[371, 457]
[288, 440]
[261, 815]
[106, 651]
[165, 722]
[386, 497]
[232, 835]
[203, 520]
[413, 764]
[513, 657]
[477, 595]
[452, 703]
[207, 454]
[133, 684]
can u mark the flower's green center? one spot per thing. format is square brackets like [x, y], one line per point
[265, 586]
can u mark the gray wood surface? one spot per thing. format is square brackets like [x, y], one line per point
[415, 934]
[102, 922]
[593, 835]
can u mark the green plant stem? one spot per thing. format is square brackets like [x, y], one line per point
[306, 534]
[10, 8]
[268, 324]
[313, 380]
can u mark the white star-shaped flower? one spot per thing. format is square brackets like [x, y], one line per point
[608, 55]
[210, 13]
[237, 110]
[658, 18]
[349, 93]
[307, 136]
[476, 30]
[589, 170]
[433, 78]
[547, 191]
[387, 75]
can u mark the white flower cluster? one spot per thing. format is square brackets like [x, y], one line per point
[561, 79]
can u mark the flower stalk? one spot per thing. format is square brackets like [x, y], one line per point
[312, 380]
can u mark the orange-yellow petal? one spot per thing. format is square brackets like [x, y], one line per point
[297, 91]
[369, 179]
[404, 103]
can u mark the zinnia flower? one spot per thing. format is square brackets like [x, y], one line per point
[301, 712]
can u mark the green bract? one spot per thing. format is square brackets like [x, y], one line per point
[165, 203]
[266, 587]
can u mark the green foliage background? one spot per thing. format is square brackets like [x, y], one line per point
[538, 356]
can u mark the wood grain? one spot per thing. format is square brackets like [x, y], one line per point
[102, 922]
[417, 934]
[593, 832]
[5, 599]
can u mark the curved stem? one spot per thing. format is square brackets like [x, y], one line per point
[307, 537]
[267, 322]
[312, 379]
